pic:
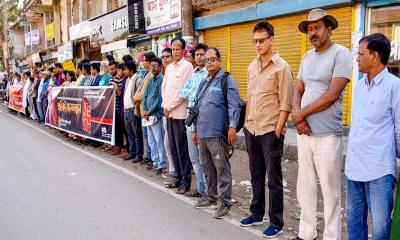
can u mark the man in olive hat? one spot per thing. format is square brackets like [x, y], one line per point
[324, 73]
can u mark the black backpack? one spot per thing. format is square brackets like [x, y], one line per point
[224, 86]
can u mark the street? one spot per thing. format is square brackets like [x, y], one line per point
[51, 191]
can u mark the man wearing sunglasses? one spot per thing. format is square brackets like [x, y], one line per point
[269, 95]
[215, 128]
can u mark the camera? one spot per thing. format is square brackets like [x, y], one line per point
[192, 115]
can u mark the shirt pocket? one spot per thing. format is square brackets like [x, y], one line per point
[375, 110]
[267, 85]
[215, 96]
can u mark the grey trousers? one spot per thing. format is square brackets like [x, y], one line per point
[214, 159]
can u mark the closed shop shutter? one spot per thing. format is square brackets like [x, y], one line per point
[218, 38]
[342, 36]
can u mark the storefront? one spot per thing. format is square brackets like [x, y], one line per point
[385, 19]
[79, 35]
[108, 29]
[237, 49]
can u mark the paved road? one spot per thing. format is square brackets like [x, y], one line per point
[49, 191]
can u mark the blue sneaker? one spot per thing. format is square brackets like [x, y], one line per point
[272, 231]
[251, 221]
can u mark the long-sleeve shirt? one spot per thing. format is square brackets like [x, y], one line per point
[176, 75]
[140, 91]
[374, 139]
[152, 97]
[131, 86]
[217, 113]
[190, 88]
[45, 86]
[105, 79]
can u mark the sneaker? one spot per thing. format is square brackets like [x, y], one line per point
[272, 231]
[222, 211]
[297, 238]
[151, 167]
[205, 203]
[128, 157]
[137, 159]
[251, 221]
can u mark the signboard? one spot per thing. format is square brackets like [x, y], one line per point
[110, 27]
[64, 52]
[50, 32]
[84, 111]
[15, 98]
[36, 58]
[114, 46]
[69, 65]
[35, 36]
[28, 39]
[79, 30]
[136, 16]
[162, 15]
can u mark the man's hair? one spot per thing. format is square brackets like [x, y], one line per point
[126, 58]
[201, 46]
[28, 74]
[121, 66]
[80, 66]
[86, 67]
[157, 60]
[51, 69]
[113, 63]
[96, 66]
[168, 50]
[110, 58]
[131, 66]
[58, 65]
[183, 42]
[192, 53]
[148, 56]
[379, 43]
[216, 51]
[264, 26]
[83, 61]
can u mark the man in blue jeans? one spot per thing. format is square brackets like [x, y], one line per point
[374, 142]
[189, 91]
[153, 113]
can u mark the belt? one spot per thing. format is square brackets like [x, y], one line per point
[129, 109]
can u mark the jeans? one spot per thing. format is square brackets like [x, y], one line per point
[133, 126]
[146, 142]
[40, 110]
[155, 137]
[375, 196]
[265, 156]
[198, 169]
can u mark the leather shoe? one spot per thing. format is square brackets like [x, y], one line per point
[129, 157]
[137, 159]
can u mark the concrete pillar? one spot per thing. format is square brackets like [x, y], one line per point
[57, 22]
[187, 21]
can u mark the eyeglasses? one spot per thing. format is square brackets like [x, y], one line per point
[165, 56]
[260, 40]
[211, 59]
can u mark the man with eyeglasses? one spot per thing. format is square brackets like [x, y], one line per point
[269, 95]
[189, 92]
[176, 75]
[166, 57]
[324, 73]
[219, 107]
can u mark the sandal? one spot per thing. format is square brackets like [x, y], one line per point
[170, 185]
[180, 191]
[193, 194]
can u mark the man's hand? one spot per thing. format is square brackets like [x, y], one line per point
[166, 113]
[117, 89]
[298, 117]
[303, 128]
[232, 136]
[195, 140]
[146, 115]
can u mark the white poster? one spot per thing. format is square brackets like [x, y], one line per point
[28, 39]
[162, 15]
[35, 36]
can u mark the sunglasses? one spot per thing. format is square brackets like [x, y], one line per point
[165, 56]
[259, 40]
[211, 59]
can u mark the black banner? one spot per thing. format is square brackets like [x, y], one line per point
[83, 111]
[136, 16]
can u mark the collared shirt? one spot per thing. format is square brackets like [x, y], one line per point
[176, 75]
[105, 80]
[269, 91]
[374, 136]
[93, 80]
[152, 97]
[190, 88]
[131, 85]
[217, 113]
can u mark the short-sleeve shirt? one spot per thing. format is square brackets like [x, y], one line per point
[316, 71]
